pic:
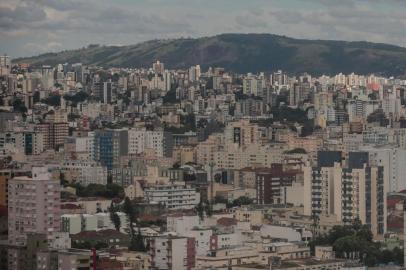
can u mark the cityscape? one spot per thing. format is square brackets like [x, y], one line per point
[231, 151]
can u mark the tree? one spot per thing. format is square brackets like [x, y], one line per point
[52, 100]
[243, 200]
[315, 224]
[115, 219]
[18, 106]
[98, 190]
[137, 241]
[76, 98]
[200, 210]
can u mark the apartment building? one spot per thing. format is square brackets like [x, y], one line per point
[33, 206]
[172, 253]
[350, 191]
[173, 196]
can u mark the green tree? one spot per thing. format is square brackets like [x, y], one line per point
[243, 200]
[137, 242]
[200, 210]
[52, 100]
[116, 220]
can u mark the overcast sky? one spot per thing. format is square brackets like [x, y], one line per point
[30, 27]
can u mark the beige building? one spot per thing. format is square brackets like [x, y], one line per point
[343, 192]
[227, 257]
[242, 133]
[254, 155]
[253, 216]
[205, 150]
[184, 154]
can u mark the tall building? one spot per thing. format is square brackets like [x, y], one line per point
[107, 92]
[33, 206]
[254, 85]
[54, 134]
[141, 140]
[393, 160]
[109, 146]
[299, 93]
[360, 109]
[158, 67]
[194, 73]
[167, 80]
[5, 176]
[242, 133]
[351, 191]
[5, 65]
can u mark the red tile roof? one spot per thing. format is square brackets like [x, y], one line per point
[226, 222]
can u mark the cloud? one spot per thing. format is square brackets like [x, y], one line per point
[34, 26]
[23, 15]
[252, 20]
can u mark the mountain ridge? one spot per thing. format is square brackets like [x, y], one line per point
[242, 53]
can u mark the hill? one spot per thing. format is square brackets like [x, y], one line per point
[243, 53]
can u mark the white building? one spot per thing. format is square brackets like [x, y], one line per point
[173, 196]
[71, 224]
[139, 140]
[393, 160]
[84, 172]
[181, 223]
[89, 222]
[169, 252]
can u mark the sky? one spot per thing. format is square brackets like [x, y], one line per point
[31, 27]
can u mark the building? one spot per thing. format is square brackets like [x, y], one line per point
[33, 206]
[54, 134]
[65, 259]
[270, 184]
[173, 196]
[356, 190]
[392, 159]
[109, 146]
[172, 253]
[5, 176]
[160, 142]
[254, 85]
[84, 172]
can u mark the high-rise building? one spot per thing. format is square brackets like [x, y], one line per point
[5, 65]
[254, 85]
[33, 206]
[107, 92]
[141, 140]
[54, 134]
[351, 191]
[167, 80]
[109, 146]
[5, 176]
[158, 67]
[393, 160]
